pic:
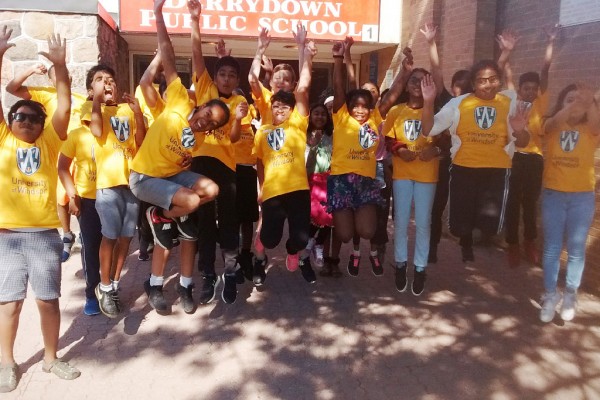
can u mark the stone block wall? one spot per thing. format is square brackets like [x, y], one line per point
[89, 41]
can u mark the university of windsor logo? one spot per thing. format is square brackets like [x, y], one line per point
[188, 140]
[120, 126]
[29, 160]
[568, 140]
[276, 138]
[485, 116]
[367, 136]
[412, 129]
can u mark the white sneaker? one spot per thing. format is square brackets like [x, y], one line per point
[549, 303]
[318, 255]
[569, 306]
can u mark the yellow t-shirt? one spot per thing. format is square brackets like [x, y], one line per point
[243, 147]
[534, 125]
[354, 146]
[116, 147]
[217, 144]
[263, 105]
[569, 159]
[281, 149]
[28, 178]
[48, 98]
[150, 113]
[80, 147]
[483, 133]
[170, 140]
[404, 124]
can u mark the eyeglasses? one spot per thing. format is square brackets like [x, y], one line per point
[492, 79]
[33, 118]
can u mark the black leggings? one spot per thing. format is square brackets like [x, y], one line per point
[295, 207]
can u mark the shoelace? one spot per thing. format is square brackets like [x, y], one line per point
[114, 296]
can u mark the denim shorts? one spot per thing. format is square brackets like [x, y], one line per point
[160, 191]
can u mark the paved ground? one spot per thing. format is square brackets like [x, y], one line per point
[473, 334]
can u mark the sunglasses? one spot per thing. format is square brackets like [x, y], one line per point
[33, 118]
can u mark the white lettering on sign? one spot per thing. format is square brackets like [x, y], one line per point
[322, 19]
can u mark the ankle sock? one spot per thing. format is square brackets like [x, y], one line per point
[156, 280]
[185, 281]
[106, 288]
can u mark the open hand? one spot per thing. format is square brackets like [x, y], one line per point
[57, 50]
[428, 88]
[507, 40]
[220, 49]
[300, 35]
[264, 39]
[429, 31]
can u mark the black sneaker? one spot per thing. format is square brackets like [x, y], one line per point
[376, 265]
[186, 298]
[353, 263]
[401, 282]
[432, 258]
[207, 293]
[109, 302]
[187, 226]
[307, 271]
[467, 254]
[156, 299]
[162, 228]
[258, 271]
[229, 289]
[245, 261]
[418, 283]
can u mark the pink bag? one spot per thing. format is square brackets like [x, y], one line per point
[318, 199]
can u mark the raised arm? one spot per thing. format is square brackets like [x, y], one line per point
[165, 47]
[303, 90]
[267, 66]
[147, 81]
[221, 50]
[350, 72]
[4, 45]
[398, 85]
[195, 10]
[339, 92]
[140, 123]
[551, 37]
[593, 114]
[429, 94]
[57, 52]
[253, 76]
[430, 32]
[15, 86]
[518, 122]
[507, 41]
[300, 39]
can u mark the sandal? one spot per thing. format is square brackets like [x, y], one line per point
[8, 378]
[62, 369]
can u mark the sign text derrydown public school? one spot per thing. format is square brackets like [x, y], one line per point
[323, 19]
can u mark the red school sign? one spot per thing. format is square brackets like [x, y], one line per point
[323, 19]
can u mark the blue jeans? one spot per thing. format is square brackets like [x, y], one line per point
[570, 215]
[423, 194]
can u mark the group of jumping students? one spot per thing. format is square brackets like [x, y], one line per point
[195, 165]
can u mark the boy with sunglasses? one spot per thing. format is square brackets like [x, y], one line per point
[29, 241]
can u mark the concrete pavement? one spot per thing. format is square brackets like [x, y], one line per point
[473, 334]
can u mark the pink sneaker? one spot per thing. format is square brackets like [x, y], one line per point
[292, 261]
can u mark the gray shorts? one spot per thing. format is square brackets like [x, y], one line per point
[33, 257]
[160, 191]
[118, 210]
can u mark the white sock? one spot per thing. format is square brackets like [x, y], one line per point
[373, 253]
[185, 281]
[156, 280]
[356, 253]
[115, 285]
[106, 288]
